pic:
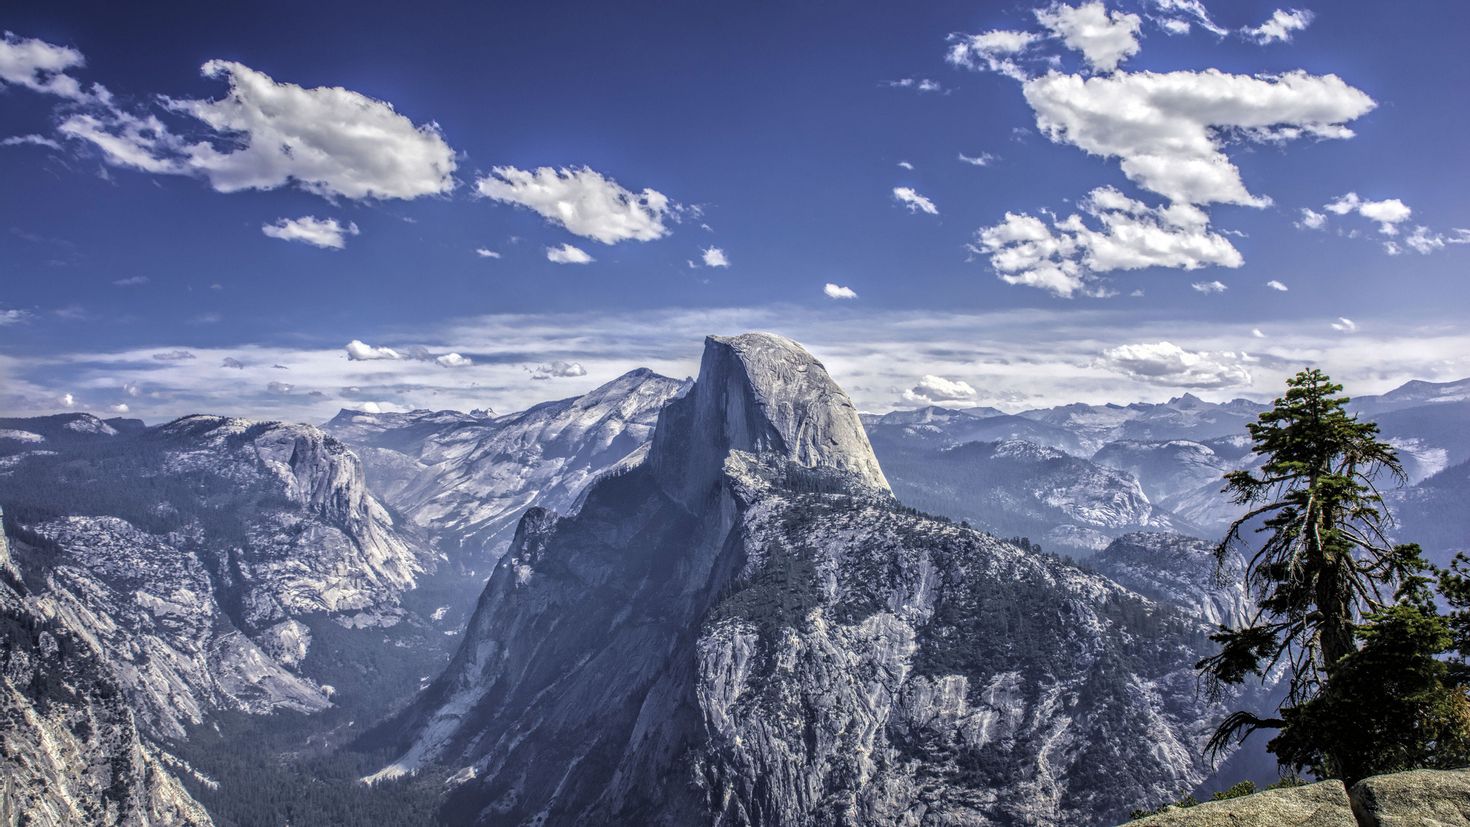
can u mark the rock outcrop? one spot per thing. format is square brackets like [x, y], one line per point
[1324, 804]
[1181, 571]
[1440, 798]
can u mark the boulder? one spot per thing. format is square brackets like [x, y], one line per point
[1423, 798]
[1324, 804]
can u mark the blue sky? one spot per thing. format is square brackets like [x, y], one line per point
[817, 149]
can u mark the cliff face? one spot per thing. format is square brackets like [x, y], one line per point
[70, 752]
[747, 629]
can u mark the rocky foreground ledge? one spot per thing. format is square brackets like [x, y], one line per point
[1432, 798]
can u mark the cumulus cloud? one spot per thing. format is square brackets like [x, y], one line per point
[1105, 39]
[1210, 287]
[837, 291]
[267, 134]
[12, 316]
[931, 389]
[1276, 285]
[1165, 363]
[1256, 332]
[1062, 255]
[567, 254]
[1168, 129]
[1388, 213]
[119, 408]
[483, 252]
[1345, 324]
[1425, 241]
[998, 50]
[558, 370]
[327, 233]
[914, 201]
[1311, 219]
[39, 66]
[174, 356]
[715, 257]
[359, 351]
[453, 360]
[583, 201]
[984, 159]
[1280, 26]
[67, 400]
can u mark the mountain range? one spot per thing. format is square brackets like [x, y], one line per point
[729, 600]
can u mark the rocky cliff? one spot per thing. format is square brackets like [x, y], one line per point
[747, 629]
[70, 752]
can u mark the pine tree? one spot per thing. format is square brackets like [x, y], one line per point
[1324, 566]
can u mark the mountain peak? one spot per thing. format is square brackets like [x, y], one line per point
[766, 395]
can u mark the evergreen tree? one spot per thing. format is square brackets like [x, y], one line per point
[1325, 566]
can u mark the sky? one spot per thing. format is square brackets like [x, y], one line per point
[280, 211]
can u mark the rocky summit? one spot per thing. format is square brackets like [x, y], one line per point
[747, 628]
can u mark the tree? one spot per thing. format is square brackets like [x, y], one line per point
[1324, 566]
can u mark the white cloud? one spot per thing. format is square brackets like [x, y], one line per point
[1345, 324]
[119, 408]
[1388, 212]
[567, 254]
[583, 201]
[453, 360]
[984, 159]
[279, 387]
[1168, 129]
[327, 233]
[715, 257]
[12, 316]
[837, 291]
[1425, 241]
[996, 50]
[131, 281]
[905, 165]
[914, 201]
[1063, 256]
[558, 370]
[68, 401]
[266, 134]
[933, 388]
[1392, 248]
[1192, 9]
[1276, 285]
[1105, 39]
[1312, 220]
[39, 66]
[174, 356]
[919, 84]
[1256, 332]
[30, 140]
[483, 252]
[359, 351]
[1210, 287]
[1165, 363]
[1280, 26]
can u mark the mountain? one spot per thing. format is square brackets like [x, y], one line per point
[943, 428]
[1017, 488]
[1180, 571]
[747, 628]
[202, 558]
[1183, 417]
[1433, 514]
[467, 478]
[70, 751]
[1413, 394]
